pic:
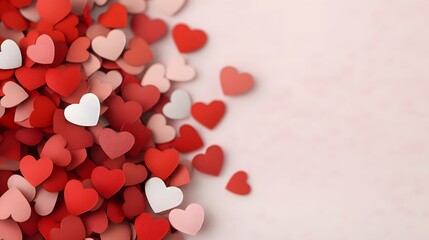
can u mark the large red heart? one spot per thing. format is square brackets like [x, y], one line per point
[150, 29]
[188, 40]
[149, 228]
[211, 162]
[238, 184]
[72, 228]
[36, 171]
[161, 164]
[53, 11]
[107, 182]
[115, 144]
[208, 115]
[189, 140]
[63, 79]
[75, 203]
[115, 17]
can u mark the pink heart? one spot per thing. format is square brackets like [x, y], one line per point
[43, 51]
[155, 76]
[162, 132]
[14, 204]
[20, 183]
[91, 65]
[110, 47]
[169, 7]
[45, 201]
[134, 6]
[114, 78]
[9, 230]
[100, 89]
[188, 221]
[234, 83]
[177, 70]
[14, 95]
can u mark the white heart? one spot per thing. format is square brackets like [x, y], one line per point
[45, 201]
[162, 132]
[10, 55]
[160, 197]
[155, 76]
[86, 113]
[177, 70]
[110, 47]
[169, 7]
[179, 106]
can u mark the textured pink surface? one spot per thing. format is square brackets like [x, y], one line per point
[335, 136]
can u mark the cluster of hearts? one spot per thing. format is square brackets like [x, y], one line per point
[76, 159]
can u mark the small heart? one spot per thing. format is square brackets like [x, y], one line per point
[161, 132]
[110, 47]
[188, 141]
[139, 52]
[134, 173]
[86, 113]
[78, 51]
[45, 202]
[114, 78]
[14, 204]
[160, 197]
[169, 7]
[30, 13]
[180, 177]
[14, 95]
[155, 76]
[209, 115]
[53, 11]
[55, 149]
[134, 6]
[75, 203]
[20, 183]
[100, 89]
[9, 230]
[188, 40]
[115, 144]
[179, 106]
[235, 83]
[211, 162]
[71, 228]
[238, 184]
[36, 171]
[146, 96]
[121, 231]
[91, 65]
[134, 202]
[96, 222]
[148, 228]
[43, 51]
[10, 55]
[115, 17]
[188, 221]
[148, 29]
[177, 70]
[107, 182]
[161, 163]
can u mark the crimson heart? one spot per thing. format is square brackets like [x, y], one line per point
[238, 184]
[149, 29]
[115, 17]
[63, 79]
[189, 140]
[161, 163]
[209, 115]
[149, 228]
[43, 113]
[211, 162]
[36, 171]
[146, 96]
[72, 228]
[107, 182]
[188, 40]
[75, 203]
[115, 144]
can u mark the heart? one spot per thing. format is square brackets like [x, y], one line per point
[161, 132]
[161, 163]
[14, 204]
[86, 113]
[117, 232]
[122, 113]
[114, 78]
[134, 173]
[146, 96]
[235, 83]
[211, 162]
[134, 6]
[43, 51]
[134, 202]
[155, 76]
[36, 171]
[57, 181]
[9, 230]
[209, 115]
[160, 197]
[53, 11]
[31, 78]
[100, 89]
[63, 79]
[30, 12]
[91, 65]
[20, 183]
[148, 29]
[177, 70]
[107, 182]
[115, 144]
[116, 16]
[139, 52]
[180, 177]
[43, 112]
[96, 222]
[169, 7]
[10, 55]
[77, 137]
[148, 228]
[78, 51]
[188, 141]
[55, 149]
[75, 203]
[188, 221]
[72, 228]
[14, 95]
[179, 105]
[238, 184]
[110, 47]
[188, 40]
[45, 202]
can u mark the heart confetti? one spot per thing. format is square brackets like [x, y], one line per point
[88, 144]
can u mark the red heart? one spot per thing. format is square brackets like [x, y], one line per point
[115, 144]
[36, 171]
[211, 162]
[72, 228]
[134, 173]
[75, 203]
[161, 164]
[148, 29]
[63, 79]
[68, 26]
[96, 222]
[189, 140]
[45, 225]
[55, 149]
[114, 211]
[13, 19]
[188, 40]
[141, 135]
[77, 137]
[121, 113]
[235, 83]
[20, 3]
[43, 113]
[208, 115]
[180, 176]
[149, 229]
[134, 202]
[53, 11]
[139, 52]
[146, 96]
[107, 182]
[29, 136]
[31, 78]
[57, 181]
[238, 184]
[115, 17]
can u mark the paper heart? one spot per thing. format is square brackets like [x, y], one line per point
[177, 70]
[20, 183]
[210, 114]
[115, 17]
[146, 96]
[96, 222]
[235, 83]
[36, 171]
[43, 51]
[30, 12]
[91, 65]
[211, 162]
[179, 106]
[75, 203]
[110, 47]
[117, 232]
[114, 78]
[134, 202]
[148, 29]
[86, 113]
[148, 228]
[161, 163]
[134, 173]
[9, 230]
[53, 11]
[122, 113]
[71, 228]
[130, 69]
[180, 177]
[134, 6]
[139, 52]
[162, 132]
[14, 95]
[188, 40]
[107, 182]
[45, 202]
[155, 76]
[100, 89]
[188, 221]
[115, 144]
[57, 181]
[78, 51]
[77, 137]
[63, 79]
[31, 78]
[169, 7]
[238, 184]
[189, 140]
[43, 112]
[55, 149]
[10, 55]
[160, 197]
[14, 205]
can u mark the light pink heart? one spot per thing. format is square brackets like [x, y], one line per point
[155, 76]
[91, 65]
[20, 183]
[45, 201]
[188, 221]
[100, 89]
[30, 12]
[43, 51]
[9, 230]
[14, 95]
[169, 7]
[134, 6]
[110, 47]
[177, 70]
[114, 78]
[162, 132]
[14, 204]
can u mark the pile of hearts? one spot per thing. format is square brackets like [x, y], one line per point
[87, 147]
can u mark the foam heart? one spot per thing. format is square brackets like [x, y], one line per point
[188, 40]
[110, 47]
[238, 184]
[14, 95]
[179, 105]
[161, 163]
[146, 96]
[162, 132]
[169, 7]
[14, 204]
[235, 83]
[134, 202]
[86, 113]
[210, 114]
[177, 70]
[211, 162]
[160, 197]
[78, 52]
[63, 79]
[139, 52]
[148, 228]
[134, 6]
[115, 16]
[36, 171]
[43, 51]
[188, 221]
[20, 183]
[74, 201]
[155, 76]
[107, 182]
[45, 202]
[96, 222]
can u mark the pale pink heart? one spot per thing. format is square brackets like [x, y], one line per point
[100, 2]
[100, 89]
[169, 7]
[8, 33]
[9, 230]
[96, 30]
[14, 204]
[114, 78]
[45, 201]
[161, 132]
[78, 6]
[134, 6]
[24, 110]
[25, 187]
[155, 76]
[91, 65]
[115, 231]
[43, 51]
[177, 70]
[130, 69]
[188, 221]
[14, 95]
[110, 47]
[30, 12]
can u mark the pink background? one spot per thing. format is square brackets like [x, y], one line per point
[335, 135]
